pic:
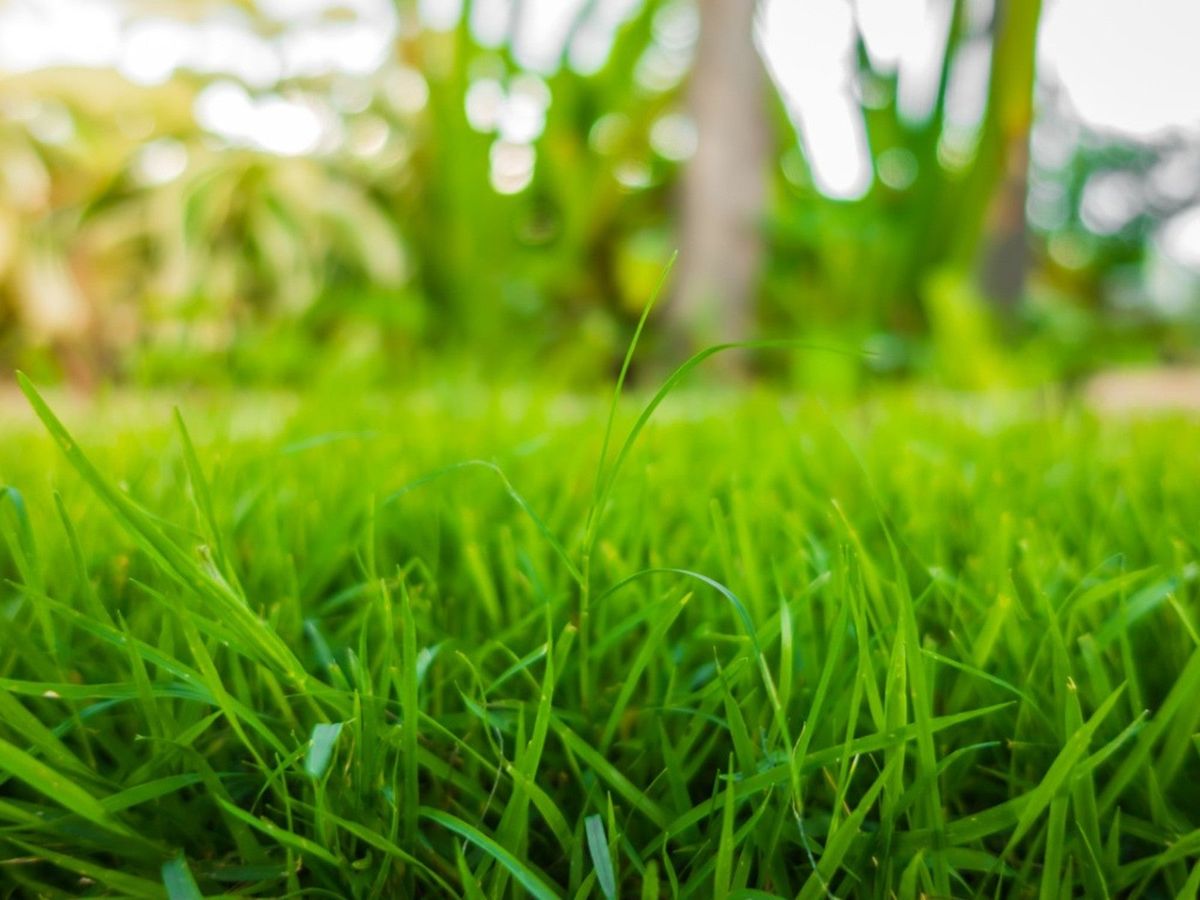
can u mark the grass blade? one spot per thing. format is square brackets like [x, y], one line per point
[534, 883]
[601, 859]
[177, 879]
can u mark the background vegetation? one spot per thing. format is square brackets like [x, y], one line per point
[455, 198]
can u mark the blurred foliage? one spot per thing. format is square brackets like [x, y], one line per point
[135, 244]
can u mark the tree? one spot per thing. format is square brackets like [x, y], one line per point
[1003, 252]
[725, 184]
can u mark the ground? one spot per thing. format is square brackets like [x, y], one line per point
[912, 645]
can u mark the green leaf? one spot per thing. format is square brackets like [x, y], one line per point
[57, 787]
[177, 879]
[529, 879]
[320, 747]
[601, 859]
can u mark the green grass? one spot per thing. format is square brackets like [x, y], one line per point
[906, 648]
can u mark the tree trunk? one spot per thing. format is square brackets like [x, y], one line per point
[1001, 168]
[1004, 257]
[725, 184]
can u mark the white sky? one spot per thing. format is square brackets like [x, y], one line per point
[1127, 68]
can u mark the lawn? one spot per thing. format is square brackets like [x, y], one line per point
[920, 645]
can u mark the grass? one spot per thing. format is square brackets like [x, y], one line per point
[909, 648]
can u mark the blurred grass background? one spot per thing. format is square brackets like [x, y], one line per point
[483, 186]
